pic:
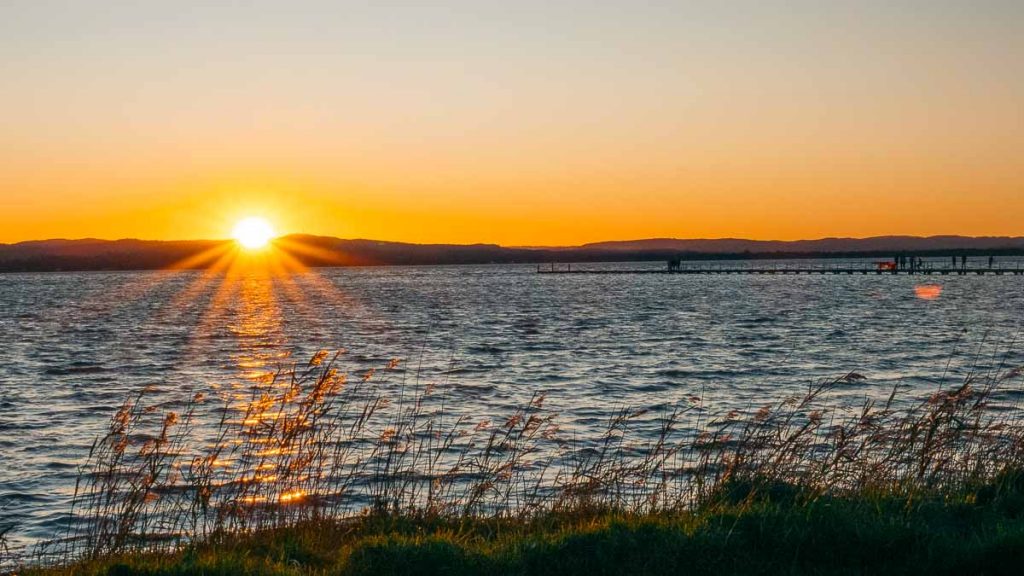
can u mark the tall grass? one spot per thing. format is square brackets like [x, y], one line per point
[313, 445]
[6, 556]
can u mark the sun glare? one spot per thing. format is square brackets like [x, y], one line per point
[253, 233]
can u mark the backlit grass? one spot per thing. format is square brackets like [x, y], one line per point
[316, 471]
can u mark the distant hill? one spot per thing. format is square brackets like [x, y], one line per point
[92, 254]
[824, 245]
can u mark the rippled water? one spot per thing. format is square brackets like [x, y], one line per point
[75, 344]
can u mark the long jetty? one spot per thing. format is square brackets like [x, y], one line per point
[792, 269]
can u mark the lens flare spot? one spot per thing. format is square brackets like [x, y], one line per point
[928, 291]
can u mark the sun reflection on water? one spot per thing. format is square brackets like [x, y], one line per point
[240, 293]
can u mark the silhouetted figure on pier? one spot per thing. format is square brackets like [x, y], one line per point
[991, 261]
[963, 263]
[675, 264]
[954, 261]
[913, 261]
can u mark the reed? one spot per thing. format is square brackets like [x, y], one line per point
[6, 556]
[313, 446]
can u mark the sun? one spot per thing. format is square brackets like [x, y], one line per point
[253, 233]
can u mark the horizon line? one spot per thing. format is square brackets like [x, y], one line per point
[524, 246]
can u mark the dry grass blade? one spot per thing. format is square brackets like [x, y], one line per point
[309, 445]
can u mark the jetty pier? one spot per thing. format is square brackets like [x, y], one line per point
[719, 268]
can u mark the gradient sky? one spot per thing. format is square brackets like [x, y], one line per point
[521, 123]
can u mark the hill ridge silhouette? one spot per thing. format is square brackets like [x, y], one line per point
[136, 254]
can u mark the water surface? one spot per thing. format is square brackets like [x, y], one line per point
[75, 344]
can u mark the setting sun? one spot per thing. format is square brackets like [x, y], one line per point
[253, 232]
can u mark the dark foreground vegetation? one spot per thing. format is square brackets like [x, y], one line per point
[311, 472]
[748, 529]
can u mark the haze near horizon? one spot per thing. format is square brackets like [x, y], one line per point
[534, 124]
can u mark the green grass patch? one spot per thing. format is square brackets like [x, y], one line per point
[744, 531]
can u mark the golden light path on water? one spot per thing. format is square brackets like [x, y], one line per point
[255, 282]
[248, 286]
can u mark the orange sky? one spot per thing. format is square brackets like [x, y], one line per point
[540, 124]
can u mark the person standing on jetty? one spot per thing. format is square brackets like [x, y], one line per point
[963, 263]
[991, 261]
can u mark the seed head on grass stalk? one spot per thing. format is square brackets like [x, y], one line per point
[306, 447]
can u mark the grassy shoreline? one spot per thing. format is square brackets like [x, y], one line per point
[745, 529]
[313, 473]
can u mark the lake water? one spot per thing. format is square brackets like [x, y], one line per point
[75, 344]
